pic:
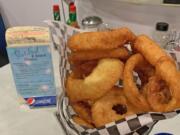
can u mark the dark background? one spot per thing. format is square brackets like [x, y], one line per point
[3, 52]
[172, 1]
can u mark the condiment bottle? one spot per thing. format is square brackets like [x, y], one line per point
[161, 33]
[91, 23]
[72, 21]
[56, 13]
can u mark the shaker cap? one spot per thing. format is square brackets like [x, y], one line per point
[56, 7]
[92, 21]
[162, 26]
[72, 8]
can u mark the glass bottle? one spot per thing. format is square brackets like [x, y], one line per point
[56, 13]
[161, 33]
[72, 21]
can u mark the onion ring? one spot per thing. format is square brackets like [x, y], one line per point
[111, 107]
[144, 71]
[83, 70]
[100, 81]
[103, 40]
[121, 53]
[162, 91]
[157, 94]
[149, 49]
[130, 89]
[83, 110]
[167, 70]
[82, 122]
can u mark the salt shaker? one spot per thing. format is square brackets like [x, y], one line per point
[93, 23]
[161, 33]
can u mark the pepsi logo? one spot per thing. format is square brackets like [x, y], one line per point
[30, 101]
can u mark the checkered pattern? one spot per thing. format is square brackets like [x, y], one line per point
[136, 124]
[60, 32]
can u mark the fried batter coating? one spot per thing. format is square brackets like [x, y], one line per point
[83, 70]
[112, 107]
[130, 89]
[103, 40]
[157, 94]
[121, 53]
[101, 80]
[83, 109]
[151, 51]
[168, 72]
[82, 122]
[144, 71]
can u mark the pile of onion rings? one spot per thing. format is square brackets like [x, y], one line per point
[100, 60]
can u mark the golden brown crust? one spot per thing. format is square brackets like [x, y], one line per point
[121, 53]
[150, 50]
[81, 71]
[82, 122]
[103, 40]
[99, 82]
[83, 109]
[102, 110]
[131, 90]
[157, 94]
[96, 69]
[168, 72]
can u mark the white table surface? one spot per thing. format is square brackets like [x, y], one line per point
[17, 119]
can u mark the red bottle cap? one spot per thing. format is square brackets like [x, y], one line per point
[72, 8]
[55, 7]
[71, 3]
